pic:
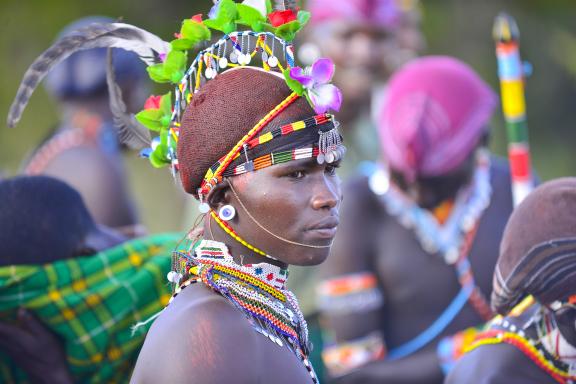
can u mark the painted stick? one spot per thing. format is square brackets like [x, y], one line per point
[511, 75]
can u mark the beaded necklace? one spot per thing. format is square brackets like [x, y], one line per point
[257, 290]
[445, 239]
[506, 330]
[453, 239]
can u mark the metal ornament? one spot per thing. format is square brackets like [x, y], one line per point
[273, 61]
[204, 207]
[227, 212]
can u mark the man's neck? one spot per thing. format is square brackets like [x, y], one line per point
[241, 254]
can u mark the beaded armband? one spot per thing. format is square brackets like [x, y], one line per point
[354, 293]
[342, 358]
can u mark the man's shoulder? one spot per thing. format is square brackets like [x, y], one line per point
[199, 333]
[497, 364]
[205, 315]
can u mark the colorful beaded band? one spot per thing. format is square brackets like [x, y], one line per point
[251, 306]
[358, 292]
[526, 347]
[343, 358]
[246, 277]
[287, 129]
[272, 159]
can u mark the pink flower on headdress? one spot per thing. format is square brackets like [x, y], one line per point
[153, 102]
[279, 18]
[315, 80]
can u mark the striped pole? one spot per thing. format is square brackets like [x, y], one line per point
[511, 75]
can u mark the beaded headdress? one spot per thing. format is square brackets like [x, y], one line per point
[267, 44]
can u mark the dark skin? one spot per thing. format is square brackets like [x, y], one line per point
[497, 364]
[35, 349]
[200, 332]
[106, 191]
[417, 286]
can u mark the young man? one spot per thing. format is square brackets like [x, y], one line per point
[414, 256]
[289, 211]
[368, 41]
[69, 290]
[534, 341]
[257, 148]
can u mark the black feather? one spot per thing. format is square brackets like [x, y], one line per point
[148, 46]
[130, 131]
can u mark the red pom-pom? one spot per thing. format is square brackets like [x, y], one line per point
[279, 18]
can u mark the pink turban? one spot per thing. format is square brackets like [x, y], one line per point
[435, 111]
[384, 13]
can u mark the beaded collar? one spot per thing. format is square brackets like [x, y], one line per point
[448, 238]
[528, 329]
[257, 290]
[216, 253]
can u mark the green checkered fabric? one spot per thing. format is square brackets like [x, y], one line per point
[92, 302]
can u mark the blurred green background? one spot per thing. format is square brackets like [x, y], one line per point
[461, 28]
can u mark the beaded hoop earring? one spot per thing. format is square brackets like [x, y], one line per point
[227, 212]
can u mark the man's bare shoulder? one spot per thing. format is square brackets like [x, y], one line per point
[199, 335]
[497, 364]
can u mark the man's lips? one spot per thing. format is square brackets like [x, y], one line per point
[325, 228]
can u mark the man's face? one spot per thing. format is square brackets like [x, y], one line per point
[298, 201]
[364, 54]
[429, 192]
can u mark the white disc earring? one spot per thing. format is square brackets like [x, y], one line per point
[227, 212]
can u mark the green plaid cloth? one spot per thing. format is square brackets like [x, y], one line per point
[92, 302]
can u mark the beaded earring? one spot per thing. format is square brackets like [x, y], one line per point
[227, 212]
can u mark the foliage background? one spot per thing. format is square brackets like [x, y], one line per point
[461, 28]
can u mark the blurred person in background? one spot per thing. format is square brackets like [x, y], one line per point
[534, 338]
[367, 40]
[414, 257]
[84, 150]
[71, 289]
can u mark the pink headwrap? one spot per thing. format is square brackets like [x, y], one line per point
[384, 13]
[435, 111]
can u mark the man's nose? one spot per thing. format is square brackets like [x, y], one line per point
[327, 193]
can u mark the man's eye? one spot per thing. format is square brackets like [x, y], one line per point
[297, 175]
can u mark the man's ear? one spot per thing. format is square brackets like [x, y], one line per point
[219, 195]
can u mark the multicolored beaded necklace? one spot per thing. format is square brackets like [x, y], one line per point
[257, 290]
[506, 330]
[452, 239]
[445, 239]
